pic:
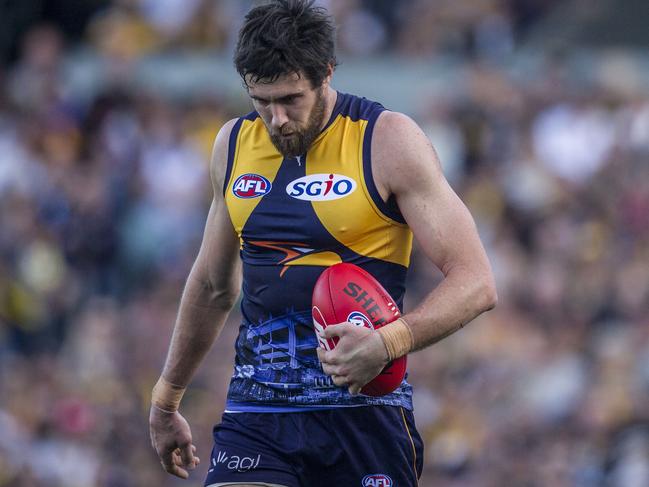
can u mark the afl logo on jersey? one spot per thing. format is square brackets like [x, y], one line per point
[251, 186]
[321, 187]
[377, 480]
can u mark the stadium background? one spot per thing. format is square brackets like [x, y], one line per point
[540, 113]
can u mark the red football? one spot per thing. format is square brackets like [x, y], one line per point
[345, 292]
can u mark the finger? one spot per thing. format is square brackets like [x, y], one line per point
[175, 456]
[180, 464]
[339, 380]
[327, 357]
[197, 460]
[179, 472]
[354, 389]
[322, 354]
[170, 467]
[329, 369]
[187, 455]
[338, 330]
[178, 460]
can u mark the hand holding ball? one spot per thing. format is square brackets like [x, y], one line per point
[347, 293]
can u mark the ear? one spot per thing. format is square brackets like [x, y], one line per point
[330, 72]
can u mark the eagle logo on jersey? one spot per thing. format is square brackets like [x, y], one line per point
[298, 254]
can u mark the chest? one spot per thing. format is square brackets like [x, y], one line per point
[306, 200]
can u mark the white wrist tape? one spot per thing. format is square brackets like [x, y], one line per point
[166, 396]
[397, 337]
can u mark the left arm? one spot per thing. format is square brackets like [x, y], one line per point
[443, 227]
[404, 163]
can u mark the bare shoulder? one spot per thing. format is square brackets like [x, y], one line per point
[402, 155]
[397, 125]
[219, 159]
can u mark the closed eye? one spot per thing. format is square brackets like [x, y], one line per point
[284, 100]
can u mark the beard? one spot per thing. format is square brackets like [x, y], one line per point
[300, 140]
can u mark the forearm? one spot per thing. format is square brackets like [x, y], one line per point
[201, 317]
[458, 299]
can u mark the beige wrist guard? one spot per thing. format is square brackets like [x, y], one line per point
[166, 396]
[397, 337]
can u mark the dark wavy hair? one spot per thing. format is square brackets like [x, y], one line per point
[284, 37]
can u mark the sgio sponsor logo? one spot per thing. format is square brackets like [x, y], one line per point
[377, 480]
[236, 462]
[251, 186]
[321, 187]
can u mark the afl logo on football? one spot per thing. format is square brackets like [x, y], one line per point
[377, 480]
[321, 187]
[359, 319]
[251, 186]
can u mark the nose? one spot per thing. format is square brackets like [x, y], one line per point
[279, 116]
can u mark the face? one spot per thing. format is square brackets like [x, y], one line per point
[292, 111]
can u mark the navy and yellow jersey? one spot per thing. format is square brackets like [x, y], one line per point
[294, 218]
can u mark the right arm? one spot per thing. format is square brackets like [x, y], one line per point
[210, 292]
[213, 284]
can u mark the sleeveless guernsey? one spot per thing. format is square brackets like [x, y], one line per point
[295, 217]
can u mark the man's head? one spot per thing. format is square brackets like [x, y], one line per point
[286, 56]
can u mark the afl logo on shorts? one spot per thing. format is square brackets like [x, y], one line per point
[321, 187]
[377, 480]
[359, 319]
[251, 186]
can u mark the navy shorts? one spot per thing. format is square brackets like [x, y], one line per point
[373, 446]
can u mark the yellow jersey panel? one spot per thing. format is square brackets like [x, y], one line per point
[355, 221]
[259, 158]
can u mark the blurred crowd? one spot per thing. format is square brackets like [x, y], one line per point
[102, 203]
[128, 29]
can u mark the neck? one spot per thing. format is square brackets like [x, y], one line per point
[330, 102]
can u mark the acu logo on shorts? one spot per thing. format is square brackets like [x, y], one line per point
[376, 480]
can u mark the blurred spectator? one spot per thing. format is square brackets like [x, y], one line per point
[103, 199]
[34, 83]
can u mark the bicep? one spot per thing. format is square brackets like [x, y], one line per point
[218, 262]
[440, 222]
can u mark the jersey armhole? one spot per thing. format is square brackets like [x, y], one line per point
[389, 208]
[232, 148]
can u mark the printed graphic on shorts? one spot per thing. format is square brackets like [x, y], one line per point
[235, 462]
[376, 480]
